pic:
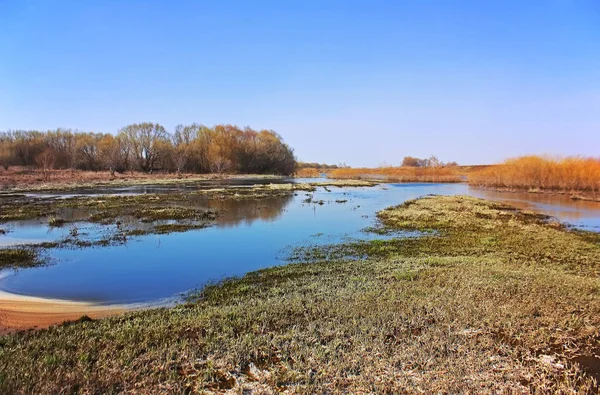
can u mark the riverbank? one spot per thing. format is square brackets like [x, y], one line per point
[28, 180]
[488, 299]
[20, 312]
[573, 195]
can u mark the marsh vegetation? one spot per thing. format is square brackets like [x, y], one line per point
[492, 299]
[573, 175]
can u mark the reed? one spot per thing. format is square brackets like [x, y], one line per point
[400, 174]
[308, 172]
[543, 173]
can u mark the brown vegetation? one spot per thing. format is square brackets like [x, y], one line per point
[149, 147]
[400, 174]
[572, 174]
[308, 172]
[20, 178]
[490, 299]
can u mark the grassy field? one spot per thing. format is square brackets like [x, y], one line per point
[489, 299]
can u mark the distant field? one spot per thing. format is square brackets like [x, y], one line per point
[30, 178]
[577, 176]
[392, 174]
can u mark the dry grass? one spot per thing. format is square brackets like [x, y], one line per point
[19, 257]
[572, 175]
[308, 172]
[400, 174]
[490, 300]
[25, 179]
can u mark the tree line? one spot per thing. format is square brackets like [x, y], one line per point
[149, 147]
[432, 161]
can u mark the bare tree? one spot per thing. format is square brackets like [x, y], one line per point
[144, 140]
[220, 164]
[6, 150]
[433, 161]
[181, 142]
[45, 161]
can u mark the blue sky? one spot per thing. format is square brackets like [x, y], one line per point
[361, 82]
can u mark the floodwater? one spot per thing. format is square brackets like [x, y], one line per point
[247, 235]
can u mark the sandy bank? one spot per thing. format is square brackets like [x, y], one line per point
[18, 312]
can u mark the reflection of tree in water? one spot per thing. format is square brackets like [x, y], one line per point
[232, 212]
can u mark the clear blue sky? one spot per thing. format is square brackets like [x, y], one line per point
[356, 81]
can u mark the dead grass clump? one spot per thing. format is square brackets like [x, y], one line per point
[19, 257]
[308, 172]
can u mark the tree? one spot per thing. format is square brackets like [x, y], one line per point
[433, 161]
[62, 142]
[410, 161]
[87, 152]
[113, 153]
[6, 150]
[181, 142]
[144, 140]
[45, 161]
[148, 147]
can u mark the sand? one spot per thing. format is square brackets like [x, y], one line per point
[18, 312]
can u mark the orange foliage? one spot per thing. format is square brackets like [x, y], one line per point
[542, 173]
[308, 172]
[400, 174]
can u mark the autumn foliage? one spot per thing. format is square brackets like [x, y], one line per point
[572, 174]
[149, 147]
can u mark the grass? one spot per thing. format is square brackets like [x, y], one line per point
[29, 180]
[577, 176]
[19, 257]
[308, 172]
[55, 222]
[491, 299]
[400, 174]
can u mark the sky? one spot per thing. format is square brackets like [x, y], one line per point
[358, 82]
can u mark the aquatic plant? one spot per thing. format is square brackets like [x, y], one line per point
[56, 222]
[19, 257]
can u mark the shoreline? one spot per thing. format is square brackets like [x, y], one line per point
[581, 196]
[65, 180]
[23, 312]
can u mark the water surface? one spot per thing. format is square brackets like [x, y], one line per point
[248, 235]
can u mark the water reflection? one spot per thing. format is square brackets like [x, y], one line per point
[580, 213]
[248, 235]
